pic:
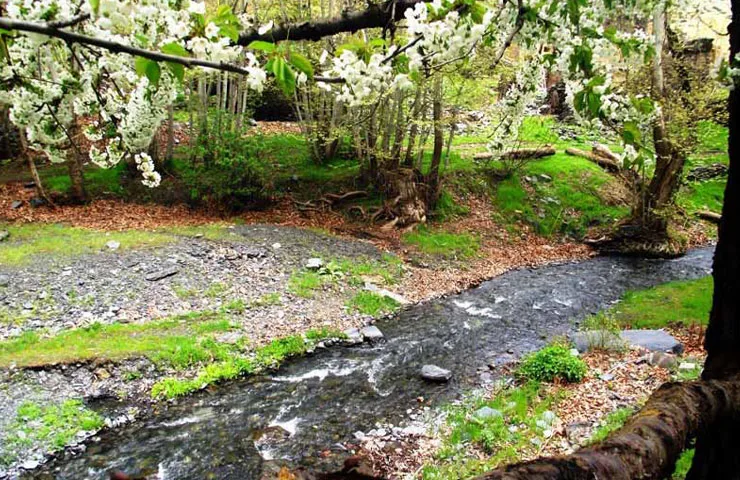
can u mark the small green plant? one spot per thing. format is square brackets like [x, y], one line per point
[304, 283]
[267, 300]
[184, 293]
[447, 207]
[554, 362]
[369, 303]
[436, 242]
[234, 306]
[602, 321]
[216, 289]
[611, 423]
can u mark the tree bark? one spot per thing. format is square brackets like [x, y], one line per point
[433, 175]
[603, 162]
[717, 449]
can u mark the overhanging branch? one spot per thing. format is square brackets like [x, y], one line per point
[376, 15]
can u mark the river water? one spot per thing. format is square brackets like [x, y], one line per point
[242, 428]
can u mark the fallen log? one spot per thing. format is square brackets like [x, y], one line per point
[648, 446]
[603, 162]
[604, 151]
[519, 154]
[335, 199]
[709, 216]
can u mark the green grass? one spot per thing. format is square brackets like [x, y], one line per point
[389, 269]
[216, 290]
[611, 423]
[305, 283]
[569, 204]
[97, 180]
[683, 302]
[28, 240]
[473, 445]
[179, 342]
[707, 195]
[235, 365]
[683, 464]
[268, 300]
[448, 208]
[369, 303]
[52, 426]
[438, 242]
[712, 137]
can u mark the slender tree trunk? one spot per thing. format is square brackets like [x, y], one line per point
[74, 166]
[433, 175]
[717, 447]
[32, 167]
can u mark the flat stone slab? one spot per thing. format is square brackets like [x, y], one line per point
[653, 340]
[602, 339]
[162, 274]
[371, 333]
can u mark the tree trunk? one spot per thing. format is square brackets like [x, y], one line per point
[717, 449]
[433, 175]
[74, 166]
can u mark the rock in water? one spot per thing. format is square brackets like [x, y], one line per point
[371, 333]
[653, 340]
[353, 335]
[434, 373]
[161, 274]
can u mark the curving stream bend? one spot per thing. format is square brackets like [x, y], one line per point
[322, 399]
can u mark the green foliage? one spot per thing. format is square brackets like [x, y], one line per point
[473, 445]
[554, 362]
[52, 426]
[27, 240]
[304, 283]
[568, 204]
[611, 423]
[234, 306]
[230, 171]
[437, 242]
[216, 289]
[369, 303]
[683, 465]
[267, 300]
[707, 195]
[447, 208]
[176, 341]
[711, 137]
[98, 181]
[389, 269]
[684, 302]
[235, 365]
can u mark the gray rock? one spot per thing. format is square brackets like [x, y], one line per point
[314, 263]
[16, 204]
[371, 333]
[162, 274]
[577, 432]
[544, 177]
[485, 413]
[30, 465]
[4, 234]
[36, 202]
[113, 245]
[663, 360]
[434, 373]
[353, 335]
[4, 280]
[370, 287]
[607, 377]
[603, 339]
[653, 340]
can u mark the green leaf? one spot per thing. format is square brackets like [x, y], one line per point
[284, 76]
[262, 46]
[301, 63]
[631, 133]
[177, 70]
[148, 68]
[95, 5]
[175, 49]
[594, 103]
[140, 65]
[230, 31]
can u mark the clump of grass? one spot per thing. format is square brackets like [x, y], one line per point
[234, 306]
[369, 303]
[29, 240]
[683, 302]
[216, 289]
[554, 362]
[233, 366]
[267, 300]
[389, 269]
[707, 195]
[304, 283]
[174, 341]
[447, 207]
[184, 293]
[51, 426]
[611, 423]
[437, 242]
[516, 423]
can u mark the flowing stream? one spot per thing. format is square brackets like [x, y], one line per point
[320, 400]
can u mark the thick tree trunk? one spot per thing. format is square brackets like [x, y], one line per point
[717, 449]
[648, 446]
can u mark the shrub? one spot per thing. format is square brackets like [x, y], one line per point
[551, 363]
[229, 171]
